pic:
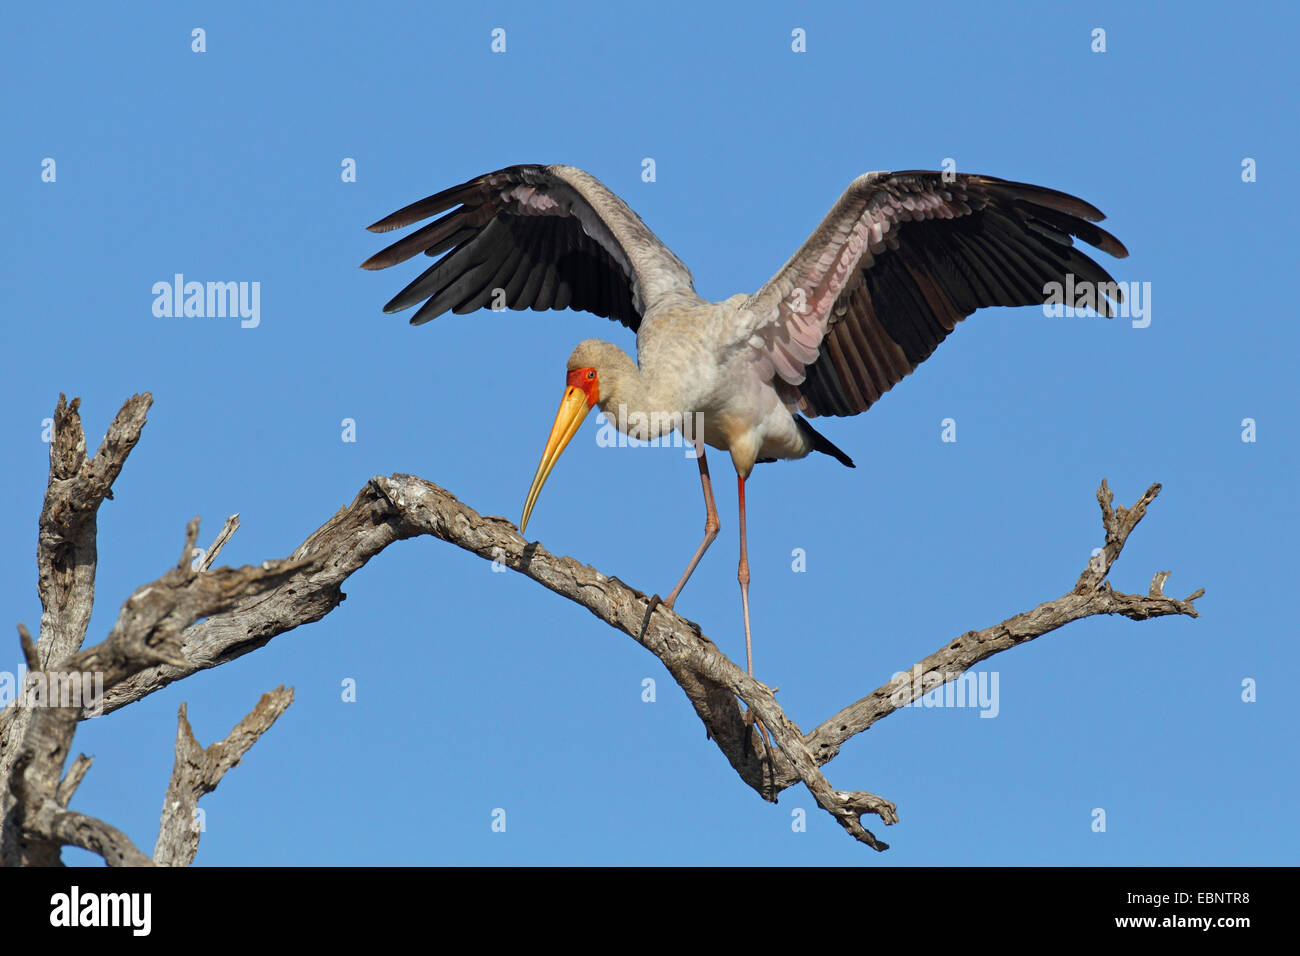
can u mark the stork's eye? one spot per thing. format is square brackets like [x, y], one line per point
[591, 374]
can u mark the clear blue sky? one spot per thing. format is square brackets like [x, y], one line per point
[480, 690]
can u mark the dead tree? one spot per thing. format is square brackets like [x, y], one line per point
[156, 641]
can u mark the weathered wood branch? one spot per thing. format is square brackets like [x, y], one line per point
[66, 554]
[198, 771]
[1091, 595]
[66, 559]
[72, 779]
[401, 506]
[36, 730]
[61, 827]
[147, 633]
[164, 644]
[210, 555]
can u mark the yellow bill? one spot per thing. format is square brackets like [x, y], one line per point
[573, 410]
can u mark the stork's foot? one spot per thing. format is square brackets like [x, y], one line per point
[655, 601]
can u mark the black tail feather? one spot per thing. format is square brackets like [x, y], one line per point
[821, 443]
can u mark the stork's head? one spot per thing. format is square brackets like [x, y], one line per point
[592, 363]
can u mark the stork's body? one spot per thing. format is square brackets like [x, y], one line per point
[895, 264]
[678, 379]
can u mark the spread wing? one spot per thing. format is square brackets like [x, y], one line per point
[901, 259]
[531, 237]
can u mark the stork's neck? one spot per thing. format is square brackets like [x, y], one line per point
[630, 400]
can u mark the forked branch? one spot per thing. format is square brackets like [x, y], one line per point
[241, 610]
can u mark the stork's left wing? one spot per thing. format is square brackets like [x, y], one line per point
[531, 237]
[896, 263]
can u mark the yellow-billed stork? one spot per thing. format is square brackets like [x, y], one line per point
[898, 261]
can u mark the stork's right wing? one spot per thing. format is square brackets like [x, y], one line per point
[546, 237]
[897, 262]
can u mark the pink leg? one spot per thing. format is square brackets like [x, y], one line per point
[711, 526]
[742, 575]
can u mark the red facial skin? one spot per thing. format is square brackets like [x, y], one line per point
[585, 381]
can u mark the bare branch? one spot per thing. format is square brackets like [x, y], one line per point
[30, 654]
[66, 559]
[66, 555]
[230, 527]
[402, 506]
[147, 632]
[1117, 527]
[156, 640]
[1090, 596]
[69, 828]
[197, 771]
[72, 780]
